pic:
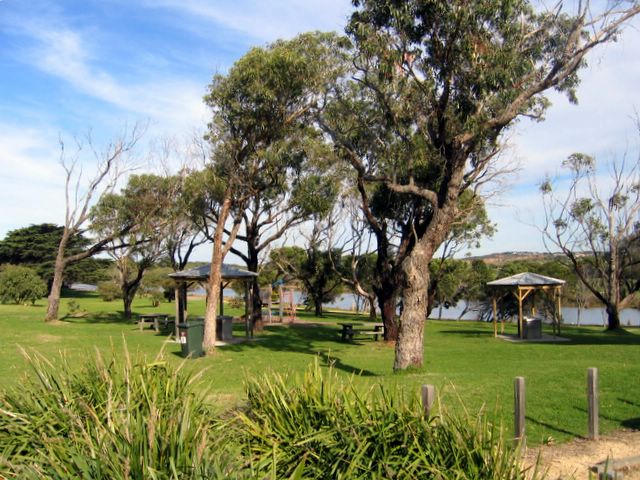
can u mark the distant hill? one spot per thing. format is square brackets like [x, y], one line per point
[504, 257]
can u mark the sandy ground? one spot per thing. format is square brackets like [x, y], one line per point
[572, 460]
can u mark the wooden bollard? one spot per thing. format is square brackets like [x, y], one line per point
[519, 403]
[592, 399]
[428, 397]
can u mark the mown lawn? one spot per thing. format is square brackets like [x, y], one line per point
[462, 359]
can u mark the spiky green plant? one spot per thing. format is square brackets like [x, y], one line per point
[333, 431]
[123, 418]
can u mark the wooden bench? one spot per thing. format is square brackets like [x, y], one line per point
[375, 333]
[154, 319]
[348, 332]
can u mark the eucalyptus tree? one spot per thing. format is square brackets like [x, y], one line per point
[436, 84]
[316, 267]
[266, 158]
[145, 203]
[598, 230]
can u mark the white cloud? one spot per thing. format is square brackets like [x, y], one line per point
[32, 186]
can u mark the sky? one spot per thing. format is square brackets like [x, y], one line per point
[72, 67]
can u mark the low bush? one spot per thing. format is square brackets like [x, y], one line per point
[115, 419]
[109, 291]
[19, 284]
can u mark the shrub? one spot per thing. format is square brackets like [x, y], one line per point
[118, 419]
[337, 432]
[156, 297]
[20, 284]
[109, 291]
[74, 309]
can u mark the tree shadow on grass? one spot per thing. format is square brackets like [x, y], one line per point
[107, 317]
[469, 333]
[102, 317]
[301, 338]
[582, 336]
[633, 423]
[629, 402]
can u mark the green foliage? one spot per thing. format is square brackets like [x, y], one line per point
[36, 246]
[336, 431]
[20, 285]
[313, 268]
[118, 418]
[156, 284]
[109, 291]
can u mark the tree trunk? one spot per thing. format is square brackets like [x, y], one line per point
[317, 307]
[256, 302]
[387, 302]
[613, 317]
[53, 300]
[409, 346]
[215, 277]
[371, 300]
[128, 294]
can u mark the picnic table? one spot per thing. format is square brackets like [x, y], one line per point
[153, 318]
[348, 330]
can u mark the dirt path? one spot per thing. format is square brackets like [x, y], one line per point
[572, 460]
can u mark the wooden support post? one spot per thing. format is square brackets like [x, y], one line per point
[248, 329]
[221, 309]
[495, 317]
[592, 398]
[520, 315]
[519, 397]
[428, 397]
[281, 294]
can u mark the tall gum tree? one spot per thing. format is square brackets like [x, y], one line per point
[264, 149]
[445, 81]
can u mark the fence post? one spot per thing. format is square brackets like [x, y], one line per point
[519, 397]
[428, 397]
[592, 398]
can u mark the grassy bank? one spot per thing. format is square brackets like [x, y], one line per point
[462, 359]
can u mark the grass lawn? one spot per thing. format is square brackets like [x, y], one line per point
[462, 359]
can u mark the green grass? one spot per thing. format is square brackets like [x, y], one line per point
[462, 359]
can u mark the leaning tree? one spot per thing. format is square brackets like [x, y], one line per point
[437, 84]
[80, 196]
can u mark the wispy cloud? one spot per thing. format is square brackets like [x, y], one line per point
[265, 21]
[71, 56]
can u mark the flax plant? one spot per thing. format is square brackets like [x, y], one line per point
[121, 418]
[331, 430]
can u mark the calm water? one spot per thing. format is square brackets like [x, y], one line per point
[588, 316]
[629, 317]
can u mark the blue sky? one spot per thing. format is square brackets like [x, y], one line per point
[69, 66]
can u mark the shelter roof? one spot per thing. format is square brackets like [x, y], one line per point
[526, 279]
[229, 272]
